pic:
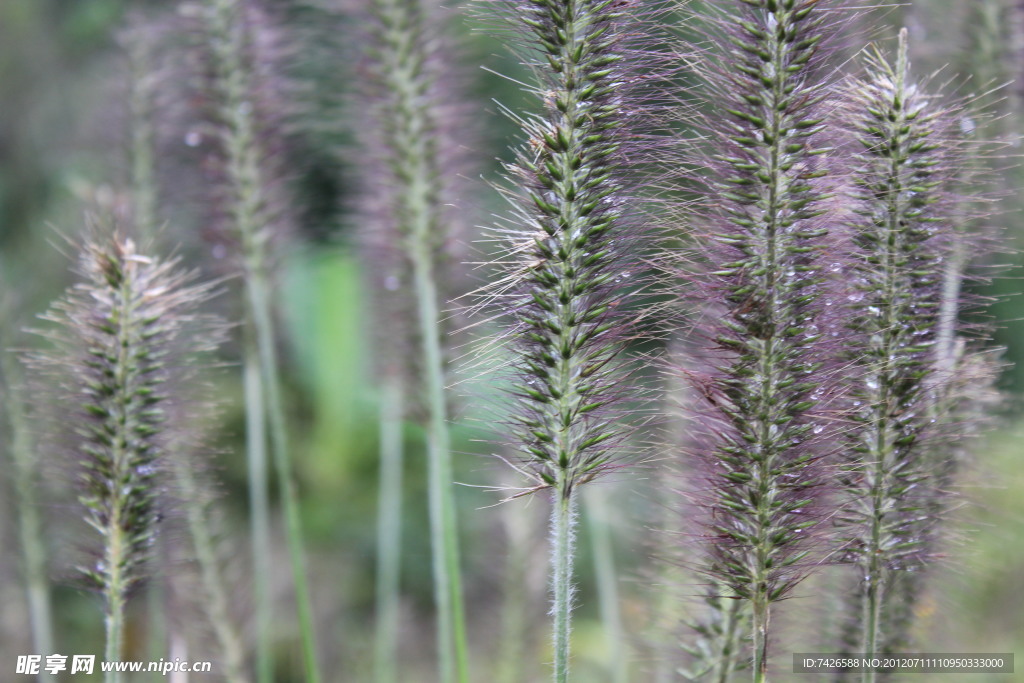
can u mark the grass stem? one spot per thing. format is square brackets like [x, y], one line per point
[216, 603]
[563, 523]
[259, 301]
[114, 597]
[762, 614]
[596, 505]
[411, 119]
[259, 509]
[389, 530]
[229, 41]
[30, 526]
[451, 634]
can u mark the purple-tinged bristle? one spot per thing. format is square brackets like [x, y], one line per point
[764, 331]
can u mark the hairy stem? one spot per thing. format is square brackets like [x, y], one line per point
[114, 597]
[389, 530]
[762, 614]
[563, 524]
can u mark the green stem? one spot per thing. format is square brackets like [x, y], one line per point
[114, 596]
[156, 597]
[563, 523]
[259, 301]
[30, 526]
[762, 613]
[259, 509]
[228, 41]
[413, 142]
[217, 600]
[389, 530]
[454, 654]
[872, 611]
[144, 193]
[607, 583]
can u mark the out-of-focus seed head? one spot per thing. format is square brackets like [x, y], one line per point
[122, 340]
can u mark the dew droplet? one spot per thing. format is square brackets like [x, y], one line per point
[391, 283]
[193, 138]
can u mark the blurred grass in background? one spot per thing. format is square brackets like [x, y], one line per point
[63, 147]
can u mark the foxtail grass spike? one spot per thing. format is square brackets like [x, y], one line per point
[900, 234]
[409, 195]
[567, 283]
[764, 403]
[227, 24]
[119, 334]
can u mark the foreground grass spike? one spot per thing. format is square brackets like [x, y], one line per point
[411, 192]
[569, 263]
[764, 280]
[899, 235]
[119, 338]
[228, 30]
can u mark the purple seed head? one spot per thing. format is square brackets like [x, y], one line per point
[764, 333]
[413, 132]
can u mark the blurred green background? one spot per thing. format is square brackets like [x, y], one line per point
[64, 149]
